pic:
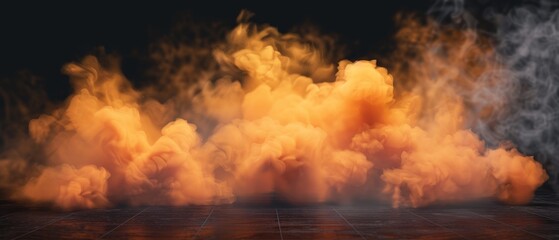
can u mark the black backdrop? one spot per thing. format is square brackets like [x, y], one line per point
[39, 38]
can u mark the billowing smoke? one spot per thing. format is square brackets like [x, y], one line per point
[501, 63]
[265, 112]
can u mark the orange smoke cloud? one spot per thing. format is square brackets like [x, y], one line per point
[276, 120]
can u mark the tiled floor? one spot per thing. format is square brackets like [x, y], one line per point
[539, 220]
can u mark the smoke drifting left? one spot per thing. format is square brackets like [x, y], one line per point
[203, 109]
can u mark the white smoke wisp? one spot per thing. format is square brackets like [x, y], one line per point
[507, 76]
[528, 45]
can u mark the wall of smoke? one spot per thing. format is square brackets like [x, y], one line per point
[501, 62]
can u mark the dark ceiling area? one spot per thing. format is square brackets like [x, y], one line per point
[38, 38]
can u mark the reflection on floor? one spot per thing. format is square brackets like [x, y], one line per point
[539, 220]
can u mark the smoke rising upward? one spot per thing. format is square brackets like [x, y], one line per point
[269, 113]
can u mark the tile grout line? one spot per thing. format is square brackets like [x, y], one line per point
[7, 215]
[533, 213]
[279, 225]
[549, 202]
[351, 225]
[41, 227]
[436, 224]
[127, 220]
[512, 226]
[204, 223]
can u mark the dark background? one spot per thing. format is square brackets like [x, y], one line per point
[38, 38]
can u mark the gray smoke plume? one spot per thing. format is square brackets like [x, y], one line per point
[526, 38]
[528, 44]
